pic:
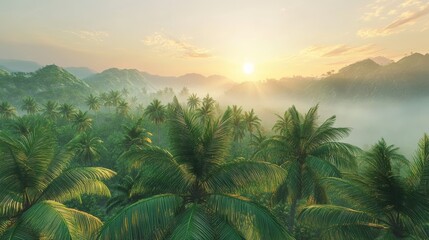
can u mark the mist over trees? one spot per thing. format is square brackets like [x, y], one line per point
[136, 160]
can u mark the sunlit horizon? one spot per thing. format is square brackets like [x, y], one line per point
[212, 38]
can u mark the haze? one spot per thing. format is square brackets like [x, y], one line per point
[282, 38]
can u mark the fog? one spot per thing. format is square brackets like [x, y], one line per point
[401, 123]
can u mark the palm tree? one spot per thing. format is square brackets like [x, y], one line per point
[193, 101]
[136, 136]
[257, 140]
[67, 111]
[123, 108]
[81, 121]
[238, 124]
[252, 122]
[104, 99]
[36, 180]
[125, 193]
[30, 105]
[207, 109]
[125, 92]
[377, 203]
[156, 113]
[50, 110]
[87, 147]
[93, 102]
[114, 97]
[193, 193]
[7, 111]
[308, 152]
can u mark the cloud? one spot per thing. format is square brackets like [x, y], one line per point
[396, 26]
[407, 13]
[340, 50]
[98, 36]
[180, 48]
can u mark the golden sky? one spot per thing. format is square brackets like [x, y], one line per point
[279, 37]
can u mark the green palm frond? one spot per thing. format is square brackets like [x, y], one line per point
[158, 170]
[201, 146]
[185, 134]
[25, 160]
[246, 176]
[64, 223]
[140, 220]
[342, 155]
[193, 223]
[216, 140]
[419, 174]
[10, 203]
[225, 231]
[333, 219]
[236, 209]
[15, 231]
[74, 182]
[322, 168]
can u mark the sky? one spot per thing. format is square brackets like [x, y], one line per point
[278, 38]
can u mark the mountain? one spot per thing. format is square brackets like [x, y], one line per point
[12, 65]
[3, 72]
[80, 72]
[48, 83]
[409, 77]
[383, 61]
[404, 79]
[137, 82]
[117, 79]
[193, 81]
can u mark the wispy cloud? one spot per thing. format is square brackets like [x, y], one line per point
[401, 13]
[340, 50]
[180, 48]
[98, 36]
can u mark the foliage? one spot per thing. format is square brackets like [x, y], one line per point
[194, 193]
[380, 203]
[308, 152]
[36, 179]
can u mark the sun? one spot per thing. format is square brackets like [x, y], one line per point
[248, 68]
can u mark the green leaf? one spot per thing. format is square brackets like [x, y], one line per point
[239, 210]
[246, 176]
[193, 224]
[142, 219]
[74, 182]
[55, 221]
[332, 220]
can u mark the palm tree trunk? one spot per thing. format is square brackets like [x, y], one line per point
[292, 214]
[159, 136]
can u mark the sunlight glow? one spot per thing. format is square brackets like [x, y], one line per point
[248, 68]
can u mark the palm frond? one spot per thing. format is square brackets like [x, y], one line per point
[140, 220]
[246, 176]
[342, 155]
[193, 223]
[158, 170]
[322, 168]
[330, 218]
[59, 222]
[74, 182]
[419, 174]
[225, 231]
[234, 209]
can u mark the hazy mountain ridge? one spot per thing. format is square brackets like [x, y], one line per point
[14, 65]
[406, 78]
[116, 79]
[136, 81]
[48, 83]
[80, 72]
